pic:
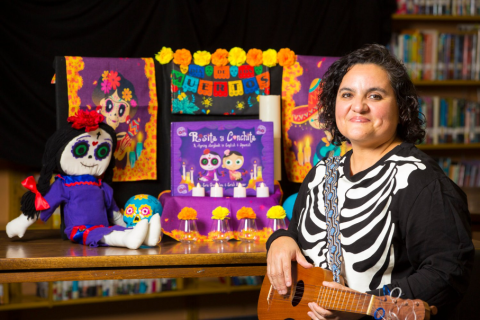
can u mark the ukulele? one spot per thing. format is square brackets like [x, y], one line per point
[306, 287]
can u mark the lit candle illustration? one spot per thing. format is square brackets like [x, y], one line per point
[300, 156]
[255, 170]
[191, 175]
[307, 151]
[183, 175]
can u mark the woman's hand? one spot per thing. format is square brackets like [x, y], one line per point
[279, 262]
[321, 313]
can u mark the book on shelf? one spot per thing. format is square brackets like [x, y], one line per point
[432, 55]
[465, 174]
[71, 290]
[450, 120]
[439, 7]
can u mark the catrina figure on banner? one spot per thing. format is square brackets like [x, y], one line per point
[81, 155]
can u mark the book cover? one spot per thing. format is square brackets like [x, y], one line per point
[224, 152]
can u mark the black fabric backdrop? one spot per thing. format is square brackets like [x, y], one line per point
[33, 33]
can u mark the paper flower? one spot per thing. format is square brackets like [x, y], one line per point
[187, 213]
[182, 57]
[220, 213]
[246, 213]
[164, 56]
[114, 79]
[276, 212]
[86, 119]
[126, 94]
[254, 57]
[105, 75]
[237, 56]
[202, 58]
[270, 58]
[220, 57]
[286, 57]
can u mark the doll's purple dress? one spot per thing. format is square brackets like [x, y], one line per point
[88, 203]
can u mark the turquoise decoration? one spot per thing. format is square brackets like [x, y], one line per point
[209, 70]
[233, 71]
[258, 70]
[190, 84]
[139, 149]
[141, 206]
[288, 205]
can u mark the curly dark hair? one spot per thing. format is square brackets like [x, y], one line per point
[410, 125]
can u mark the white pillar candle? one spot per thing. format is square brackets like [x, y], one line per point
[239, 191]
[198, 191]
[255, 170]
[191, 175]
[216, 191]
[270, 110]
[262, 191]
[183, 175]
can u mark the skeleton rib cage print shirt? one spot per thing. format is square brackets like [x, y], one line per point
[403, 223]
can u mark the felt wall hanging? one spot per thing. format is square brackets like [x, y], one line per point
[124, 91]
[222, 83]
[304, 140]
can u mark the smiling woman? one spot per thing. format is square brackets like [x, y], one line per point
[383, 216]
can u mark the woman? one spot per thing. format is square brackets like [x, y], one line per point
[402, 222]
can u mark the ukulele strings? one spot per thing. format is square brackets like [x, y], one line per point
[326, 298]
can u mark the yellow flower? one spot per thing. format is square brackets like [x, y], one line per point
[187, 214]
[141, 196]
[164, 56]
[126, 94]
[246, 213]
[276, 212]
[202, 58]
[270, 58]
[105, 75]
[220, 213]
[237, 56]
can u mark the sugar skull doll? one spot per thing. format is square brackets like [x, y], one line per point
[81, 155]
[209, 162]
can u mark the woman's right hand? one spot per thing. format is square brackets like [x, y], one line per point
[282, 252]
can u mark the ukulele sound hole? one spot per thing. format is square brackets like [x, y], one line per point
[297, 297]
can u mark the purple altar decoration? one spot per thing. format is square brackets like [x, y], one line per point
[205, 205]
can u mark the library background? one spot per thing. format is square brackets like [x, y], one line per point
[439, 43]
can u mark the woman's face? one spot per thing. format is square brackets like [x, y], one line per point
[233, 162]
[366, 111]
[115, 110]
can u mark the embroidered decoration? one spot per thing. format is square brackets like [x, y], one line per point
[332, 216]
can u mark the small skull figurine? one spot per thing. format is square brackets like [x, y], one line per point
[141, 206]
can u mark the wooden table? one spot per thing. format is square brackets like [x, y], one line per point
[41, 255]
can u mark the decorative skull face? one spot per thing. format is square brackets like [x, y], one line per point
[141, 206]
[210, 161]
[88, 153]
[233, 71]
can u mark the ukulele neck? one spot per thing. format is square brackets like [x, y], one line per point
[344, 300]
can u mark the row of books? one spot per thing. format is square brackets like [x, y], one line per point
[433, 55]
[463, 173]
[450, 120]
[68, 290]
[439, 7]
[246, 281]
[2, 300]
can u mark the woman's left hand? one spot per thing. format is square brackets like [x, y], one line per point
[322, 314]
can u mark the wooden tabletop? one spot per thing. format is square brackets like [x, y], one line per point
[41, 255]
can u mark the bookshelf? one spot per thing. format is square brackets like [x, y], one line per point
[15, 297]
[465, 87]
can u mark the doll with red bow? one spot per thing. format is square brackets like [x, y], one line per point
[81, 155]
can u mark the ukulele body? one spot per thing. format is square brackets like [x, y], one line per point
[274, 306]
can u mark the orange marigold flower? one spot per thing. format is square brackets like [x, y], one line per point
[286, 57]
[182, 57]
[187, 213]
[255, 57]
[246, 213]
[220, 57]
